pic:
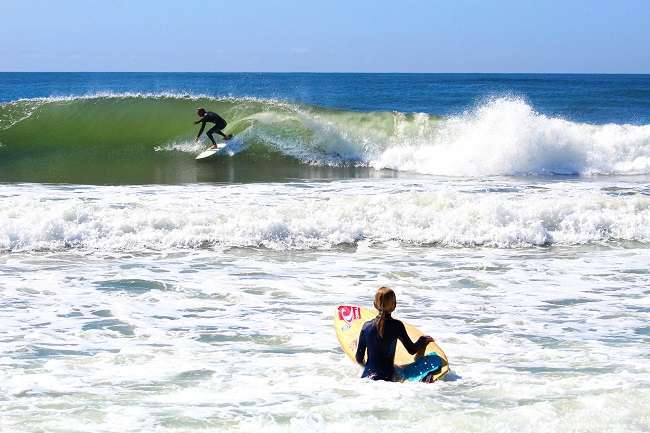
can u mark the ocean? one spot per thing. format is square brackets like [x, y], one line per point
[143, 291]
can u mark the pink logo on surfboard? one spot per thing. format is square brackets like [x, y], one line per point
[349, 313]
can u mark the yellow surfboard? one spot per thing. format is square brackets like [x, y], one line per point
[348, 321]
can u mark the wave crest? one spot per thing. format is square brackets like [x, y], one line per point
[506, 136]
[503, 136]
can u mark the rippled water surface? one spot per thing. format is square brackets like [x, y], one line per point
[123, 315]
[142, 291]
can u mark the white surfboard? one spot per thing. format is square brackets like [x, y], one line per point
[213, 151]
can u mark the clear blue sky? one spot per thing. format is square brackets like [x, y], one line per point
[327, 35]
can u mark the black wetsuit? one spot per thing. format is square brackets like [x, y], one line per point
[381, 351]
[218, 121]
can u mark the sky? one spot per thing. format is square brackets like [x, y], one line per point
[581, 36]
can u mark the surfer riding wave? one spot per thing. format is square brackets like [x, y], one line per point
[219, 125]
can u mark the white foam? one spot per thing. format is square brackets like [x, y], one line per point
[189, 146]
[169, 94]
[243, 341]
[507, 137]
[109, 218]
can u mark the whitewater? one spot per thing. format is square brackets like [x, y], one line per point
[141, 290]
[316, 215]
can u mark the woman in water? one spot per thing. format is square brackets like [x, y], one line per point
[379, 336]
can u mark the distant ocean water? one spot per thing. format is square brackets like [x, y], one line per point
[143, 291]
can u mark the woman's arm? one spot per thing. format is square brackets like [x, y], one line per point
[409, 345]
[361, 348]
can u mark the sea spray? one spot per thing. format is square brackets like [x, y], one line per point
[315, 217]
[505, 136]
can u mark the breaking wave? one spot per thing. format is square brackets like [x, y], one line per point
[38, 217]
[502, 136]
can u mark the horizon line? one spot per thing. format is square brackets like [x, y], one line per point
[324, 72]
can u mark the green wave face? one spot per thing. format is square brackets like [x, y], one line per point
[109, 139]
[150, 139]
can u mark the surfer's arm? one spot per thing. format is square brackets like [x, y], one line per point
[361, 349]
[202, 128]
[409, 345]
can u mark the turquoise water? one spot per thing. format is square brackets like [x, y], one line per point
[143, 291]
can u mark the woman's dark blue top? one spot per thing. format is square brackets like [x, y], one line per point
[381, 351]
